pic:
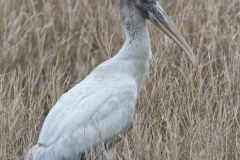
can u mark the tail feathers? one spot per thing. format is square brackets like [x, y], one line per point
[33, 152]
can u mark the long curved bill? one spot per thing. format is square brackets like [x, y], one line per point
[159, 17]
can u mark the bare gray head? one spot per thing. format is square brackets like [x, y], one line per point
[135, 13]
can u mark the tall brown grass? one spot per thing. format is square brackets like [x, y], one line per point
[183, 112]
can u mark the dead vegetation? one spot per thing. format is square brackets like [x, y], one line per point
[47, 46]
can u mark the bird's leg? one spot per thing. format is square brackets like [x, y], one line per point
[110, 146]
[110, 153]
[83, 157]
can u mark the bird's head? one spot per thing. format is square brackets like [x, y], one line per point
[152, 11]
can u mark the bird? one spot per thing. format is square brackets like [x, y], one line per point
[102, 105]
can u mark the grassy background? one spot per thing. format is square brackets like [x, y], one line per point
[47, 46]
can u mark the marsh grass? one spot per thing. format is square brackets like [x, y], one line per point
[183, 112]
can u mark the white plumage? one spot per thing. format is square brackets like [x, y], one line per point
[102, 104]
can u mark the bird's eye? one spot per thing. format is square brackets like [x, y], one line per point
[144, 1]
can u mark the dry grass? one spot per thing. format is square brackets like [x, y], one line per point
[47, 46]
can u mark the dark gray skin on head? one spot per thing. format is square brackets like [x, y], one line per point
[149, 6]
[143, 6]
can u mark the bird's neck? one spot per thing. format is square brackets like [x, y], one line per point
[137, 45]
[133, 58]
[136, 52]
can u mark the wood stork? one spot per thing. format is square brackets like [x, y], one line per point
[102, 104]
